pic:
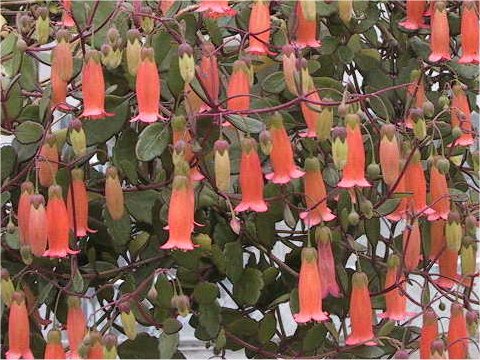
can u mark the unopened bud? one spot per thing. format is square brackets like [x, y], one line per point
[420, 129]
[186, 62]
[472, 322]
[110, 341]
[373, 171]
[266, 144]
[204, 241]
[129, 322]
[325, 123]
[182, 304]
[146, 22]
[453, 232]
[77, 137]
[42, 26]
[366, 208]
[443, 102]
[222, 165]
[353, 218]
[26, 254]
[345, 10]
[7, 288]
[339, 147]
[428, 109]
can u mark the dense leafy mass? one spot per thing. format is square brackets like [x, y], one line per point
[291, 178]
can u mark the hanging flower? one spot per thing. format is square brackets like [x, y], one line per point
[238, 90]
[309, 289]
[360, 312]
[222, 165]
[281, 156]
[417, 185]
[437, 238]
[415, 95]
[67, 19]
[57, 225]
[415, 13]
[77, 204]
[449, 256]
[76, 326]
[310, 108]
[354, 170]
[62, 57]
[93, 87]
[395, 300]
[306, 24]
[289, 62]
[469, 34]
[180, 215]
[400, 212]
[461, 116]
[114, 198]
[147, 88]
[58, 98]
[209, 72]
[259, 28]
[216, 8]
[54, 348]
[411, 246]
[428, 334]
[18, 329]
[47, 161]
[23, 211]
[457, 337]
[440, 37]
[326, 262]
[440, 197]
[37, 229]
[389, 152]
[251, 179]
[315, 195]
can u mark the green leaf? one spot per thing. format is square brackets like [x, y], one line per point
[119, 229]
[209, 318]
[387, 328]
[140, 204]
[12, 107]
[274, 83]
[165, 292]
[172, 326]
[248, 288]
[168, 345]
[124, 154]
[99, 131]
[143, 347]
[314, 338]
[152, 142]
[28, 132]
[234, 266]
[372, 230]
[388, 206]
[332, 330]
[329, 45]
[246, 124]
[206, 293]
[8, 158]
[174, 79]
[29, 71]
[345, 54]
[159, 43]
[267, 328]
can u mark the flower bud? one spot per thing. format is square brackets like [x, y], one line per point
[437, 350]
[11, 228]
[26, 254]
[186, 62]
[428, 109]
[42, 26]
[420, 129]
[402, 354]
[7, 288]
[182, 304]
[343, 109]
[442, 164]
[353, 218]
[456, 132]
[443, 102]
[152, 293]
[339, 147]
[325, 123]
[468, 256]
[453, 231]
[77, 137]
[366, 208]
[289, 68]
[147, 23]
[373, 171]
[110, 342]
[323, 234]
[21, 45]
[133, 50]
[222, 165]
[24, 23]
[114, 198]
[129, 322]
[204, 241]
[471, 225]
[265, 139]
[472, 322]
[111, 58]
[345, 10]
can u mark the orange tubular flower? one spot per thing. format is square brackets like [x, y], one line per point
[417, 185]
[76, 326]
[414, 20]
[147, 88]
[281, 156]
[437, 238]
[238, 91]
[216, 8]
[209, 71]
[57, 225]
[67, 20]
[354, 170]
[306, 31]
[59, 91]
[415, 93]
[315, 195]
[259, 28]
[62, 58]
[457, 333]
[469, 34]
[114, 198]
[180, 215]
[37, 229]
[78, 198]
[389, 152]
[47, 161]
[401, 209]
[440, 197]
[411, 246]
[18, 329]
[54, 348]
[396, 301]
[428, 333]
[440, 37]
[461, 116]
[23, 211]
[93, 87]
[326, 262]
[310, 110]
[309, 289]
[449, 257]
[360, 312]
[251, 179]
[289, 68]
